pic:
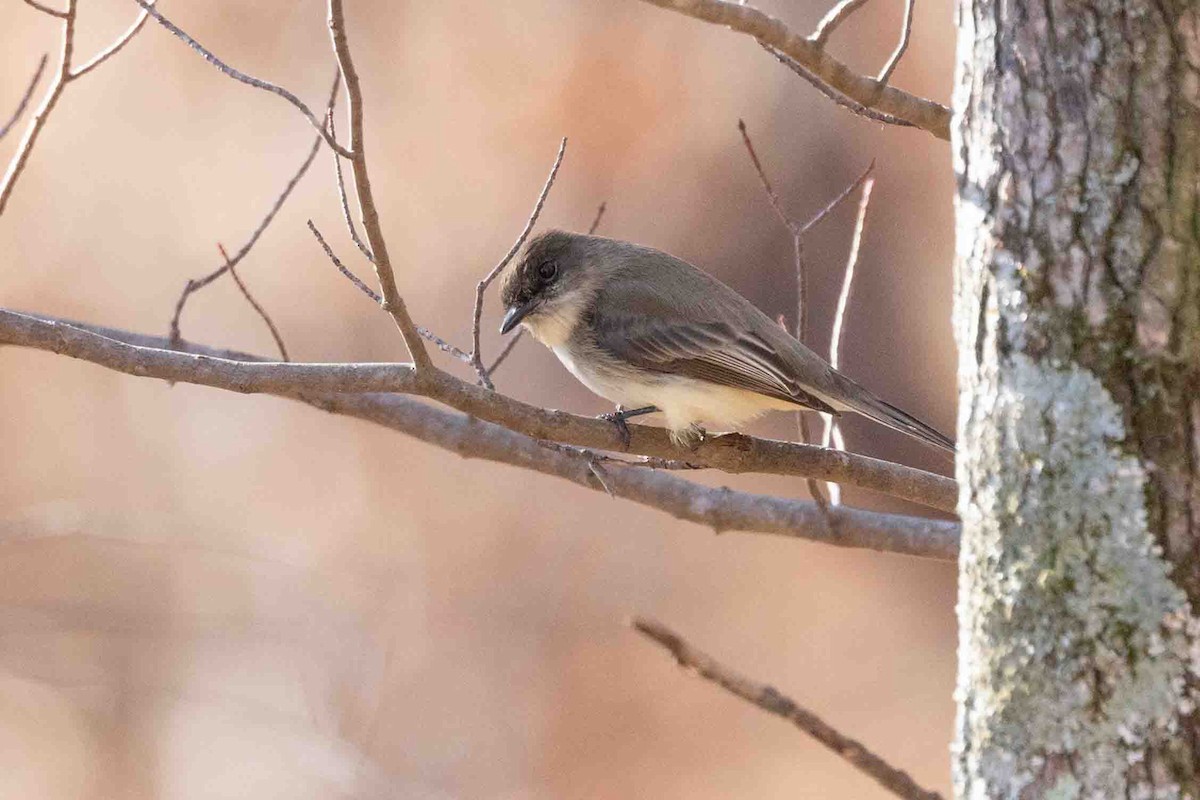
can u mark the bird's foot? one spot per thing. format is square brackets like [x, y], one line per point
[618, 418]
[690, 437]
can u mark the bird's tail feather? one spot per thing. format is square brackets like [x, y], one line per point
[883, 412]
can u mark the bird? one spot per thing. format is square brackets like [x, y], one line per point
[652, 333]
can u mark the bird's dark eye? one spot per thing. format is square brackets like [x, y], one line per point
[548, 271]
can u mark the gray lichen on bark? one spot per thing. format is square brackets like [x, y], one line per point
[1077, 315]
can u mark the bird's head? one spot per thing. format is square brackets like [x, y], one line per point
[551, 286]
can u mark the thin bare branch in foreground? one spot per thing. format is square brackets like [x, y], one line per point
[599, 216]
[905, 34]
[24, 101]
[832, 431]
[343, 198]
[481, 287]
[46, 9]
[438, 341]
[196, 284]
[833, 18]
[897, 781]
[504, 352]
[733, 452]
[262, 312]
[864, 90]
[393, 303]
[512, 440]
[242, 77]
[115, 47]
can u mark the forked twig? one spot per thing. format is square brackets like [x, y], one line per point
[798, 231]
[837, 97]
[196, 284]
[438, 341]
[47, 9]
[895, 780]
[24, 101]
[481, 287]
[343, 197]
[262, 312]
[833, 18]
[242, 77]
[115, 47]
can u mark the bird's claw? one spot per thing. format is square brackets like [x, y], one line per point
[617, 418]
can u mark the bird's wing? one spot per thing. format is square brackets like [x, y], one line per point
[705, 350]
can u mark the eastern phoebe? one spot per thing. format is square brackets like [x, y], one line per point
[645, 329]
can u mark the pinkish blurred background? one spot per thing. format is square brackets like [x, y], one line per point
[211, 595]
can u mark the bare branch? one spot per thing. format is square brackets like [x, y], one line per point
[337, 262]
[37, 75]
[341, 185]
[196, 284]
[393, 303]
[17, 165]
[905, 34]
[731, 452]
[481, 287]
[897, 781]
[512, 440]
[837, 201]
[438, 341]
[508, 348]
[863, 90]
[835, 96]
[47, 9]
[262, 312]
[242, 77]
[833, 18]
[832, 432]
[599, 216]
[115, 47]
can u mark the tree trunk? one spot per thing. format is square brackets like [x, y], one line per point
[1077, 316]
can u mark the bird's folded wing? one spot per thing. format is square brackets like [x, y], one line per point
[708, 351]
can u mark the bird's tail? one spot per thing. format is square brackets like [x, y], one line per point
[860, 400]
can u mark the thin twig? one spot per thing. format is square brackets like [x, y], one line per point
[341, 185]
[37, 75]
[833, 18]
[895, 780]
[837, 97]
[864, 90]
[886, 73]
[337, 262]
[599, 216]
[17, 165]
[832, 431]
[47, 9]
[195, 284]
[438, 341]
[647, 462]
[242, 77]
[262, 312]
[481, 287]
[393, 303]
[508, 348]
[115, 47]
[837, 201]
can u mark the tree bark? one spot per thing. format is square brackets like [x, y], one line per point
[1076, 139]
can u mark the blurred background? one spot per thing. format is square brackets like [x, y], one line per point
[205, 594]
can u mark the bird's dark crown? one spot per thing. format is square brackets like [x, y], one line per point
[549, 258]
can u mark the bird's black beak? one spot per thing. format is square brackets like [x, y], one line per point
[514, 315]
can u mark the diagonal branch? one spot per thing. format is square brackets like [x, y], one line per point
[320, 385]
[393, 303]
[897, 781]
[262, 312]
[242, 77]
[905, 34]
[196, 284]
[863, 90]
[833, 18]
[481, 287]
[47, 9]
[17, 165]
[733, 453]
[24, 101]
